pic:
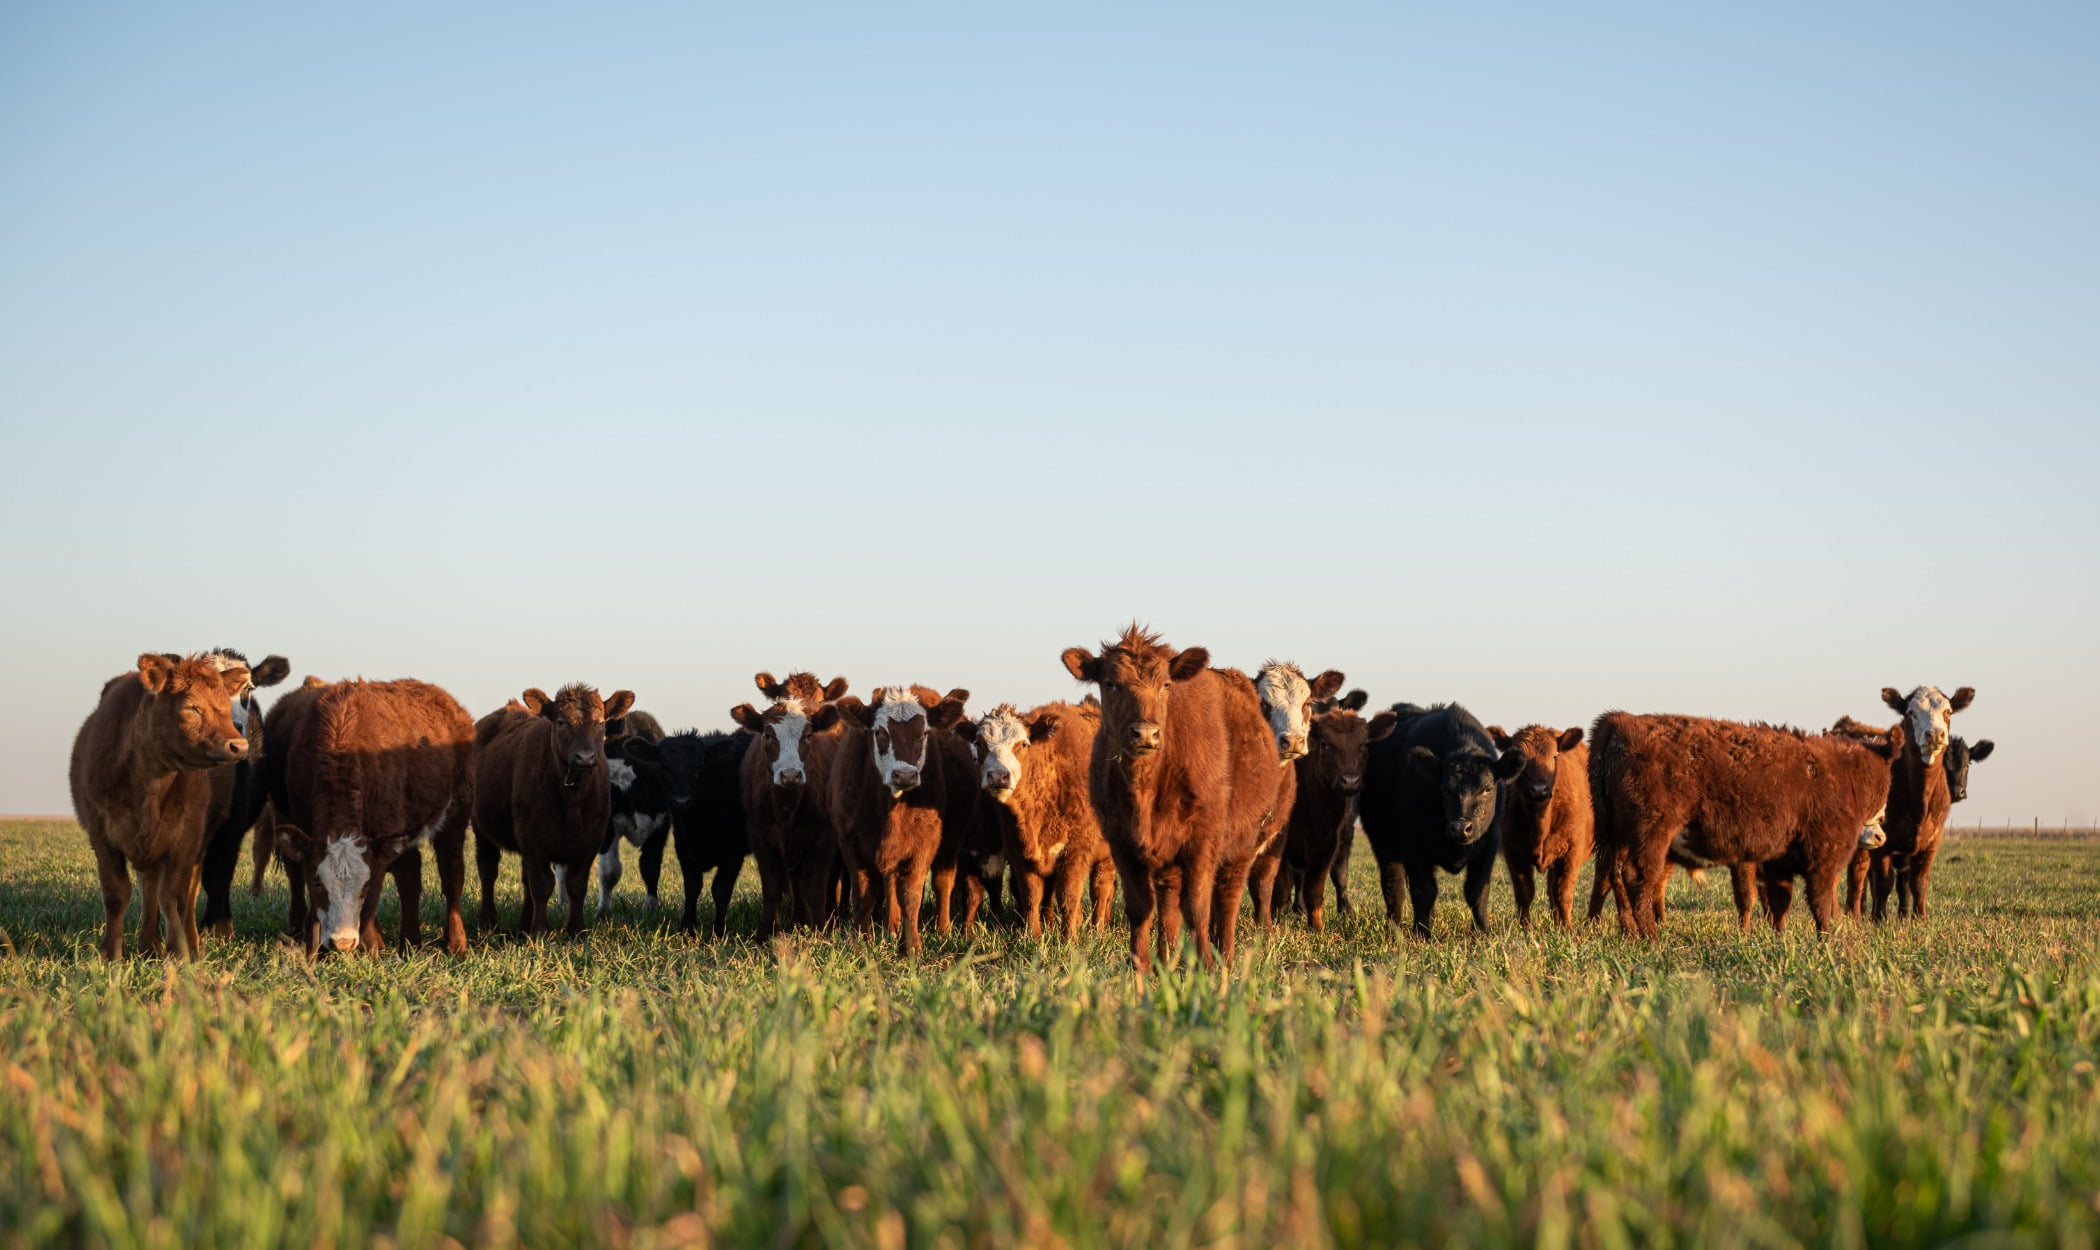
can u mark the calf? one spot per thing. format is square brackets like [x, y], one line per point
[1033, 765]
[1330, 777]
[1183, 776]
[1548, 824]
[903, 799]
[237, 791]
[783, 784]
[1711, 791]
[1957, 759]
[640, 812]
[543, 791]
[378, 770]
[142, 783]
[1919, 798]
[699, 775]
[1430, 803]
[1287, 700]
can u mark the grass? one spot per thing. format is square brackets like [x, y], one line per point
[1914, 1084]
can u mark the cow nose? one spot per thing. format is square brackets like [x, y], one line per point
[236, 748]
[1144, 736]
[583, 759]
[1537, 791]
[788, 778]
[1352, 782]
[1292, 748]
[1000, 779]
[903, 777]
[343, 943]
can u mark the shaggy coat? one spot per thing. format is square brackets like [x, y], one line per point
[238, 792]
[284, 732]
[543, 791]
[784, 794]
[903, 797]
[1547, 825]
[142, 786]
[1715, 791]
[377, 770]
[1330, 777]
[1430, 804]
[1183, 778]
[1033, 766]
[700, 777]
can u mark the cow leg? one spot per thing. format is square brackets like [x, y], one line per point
[1070, 882]
[725, 889]
[1742, 882]
[180, 902]
[609, 873]
[943, 896]
[451, 852]
[973, 899]
[1779, 896]
[408, 887]
[297, 917]
[1338, 872]
[653, 864]
[1392, 881]
[1168, 896]
[1139, 902]
[1478, 874]
[1103, 892]
[116, 896]
[1421, 895]
[1856, 884]
[221, 856]
[488, 857]
[1881, 877]
[576, 884]
[1920, 880]
[1644, 867]
[1261, 883]
[912, 895]
[1823, 890]
[1523, 885]
[539, 893]
[1560, 891]
[1028, 896]
[1312, 892]
[149, 911]
[772, 882]
[1210, 898]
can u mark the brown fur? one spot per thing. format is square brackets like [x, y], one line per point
[377, 764]
[1556, 834]
[142, 790]
[1779, 798]
[789, 828]
[284, 729]
[1045, 823]
[1919, 801]
[533, 798]
[1184, 819]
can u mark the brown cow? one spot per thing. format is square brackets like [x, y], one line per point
[1919, 798]
[543, 791]
[784, 779]
[1330, 776]
[379, 769]
[1548, 823]
[237, 792]
[142, 788]
[903, 798]
[1287, 699]
[1714, 791]
[1185, 771]
[1034, 766]
[284, 730]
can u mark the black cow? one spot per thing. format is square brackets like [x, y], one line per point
[1956, 760]
[1429, 803]
[641, 814]
[239, 791]
[698, 775]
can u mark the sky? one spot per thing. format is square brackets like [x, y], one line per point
[1551, 358]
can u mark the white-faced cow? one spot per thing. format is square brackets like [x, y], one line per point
[238, 791]
[1034, 765]
[1287, 700]
[1919, 799]
[641, 813]
[784, 781]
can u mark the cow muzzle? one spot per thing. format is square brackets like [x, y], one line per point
[1538, 793]
[1351, 783]
[343, 942]
[1142, 737]
[903, 777]
[232, 750]
[1872, 837]
[788, 778]
[1290, 748]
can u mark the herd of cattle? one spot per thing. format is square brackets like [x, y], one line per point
[1188, 784]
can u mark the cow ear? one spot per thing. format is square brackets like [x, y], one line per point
[1571, 739]
[945, 713]
[294, 845]
[1079, 662]
[536, 701]
[853, 709]
[834, 689]
[154, 672]
[1890, 696]
[235, 680]
[616, 707]
[1326, 684]
[967, 731]
[1185, 666]
[1963, 697]
[1509, 765]
[1890, 747]
[1355, 700]
[958, 694]
[747, 718]
[1982, 750]
[1043, 728]
[825, 717]
[767, 686]
[1501, 740]
[1424, 763]
[639, 750]
[1382, 726]
[273, 669]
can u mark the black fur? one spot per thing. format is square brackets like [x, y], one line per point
[1437, 810]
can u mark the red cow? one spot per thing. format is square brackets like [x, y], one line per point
[784, 778]
[1548, 824]
[1034, 766]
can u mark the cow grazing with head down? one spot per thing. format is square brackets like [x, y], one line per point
[1184, 776]
[641, 815]
[238, 790]
[700, 777]
[1547, 825]
[904, 796]
[1330, 779]
[376, 771]
[543, 791]
[1719, 792]
[784, 783]
[1919, 798]
[1033, 765]
[141, 775]
[1431, 803]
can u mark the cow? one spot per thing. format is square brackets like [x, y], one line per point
[1547, 824]
[543, 791]
[903, 796]
[1287, 701]
[1033, 765]
[379, 770]
[1957, 760]
[1430, 803]
[284, 729]
[640, 812]
[1330, 776]
[784, 788]
[1721, 792]
[238, 791]
[1184, 773]
[141, 775]
[1919, 798]
[700, 777]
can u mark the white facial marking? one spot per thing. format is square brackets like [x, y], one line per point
[1002, 732]
[1284, 694]
[898, 708]
[622, 774]
[344, 875]
[1930, 715]
[608, 877]
[1874, 834]
[788, 731]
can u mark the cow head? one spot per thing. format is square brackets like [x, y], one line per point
[900, 724]
[1539, 749]
[803, 686]
[341, 865]
[1338, 744]
[998, 739]
[578, 716]
[1136, 674]
[1926, 713]
[1467, 782]
[1287, 700]
[189, 708]
[247, 715]
[673, 764]
[780, 730]
[1957, 760]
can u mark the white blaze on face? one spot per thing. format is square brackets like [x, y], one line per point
[1928, 721]
[1873, 834]
[343, 875]
[1001, 734]
[1284, 696]
[621, 772]
[898, 717]
[788, 731]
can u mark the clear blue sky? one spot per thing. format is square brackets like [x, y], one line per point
[1550, 358]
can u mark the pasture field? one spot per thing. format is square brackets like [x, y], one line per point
[1908, 1085]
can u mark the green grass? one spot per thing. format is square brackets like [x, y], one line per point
[1908, 1085]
